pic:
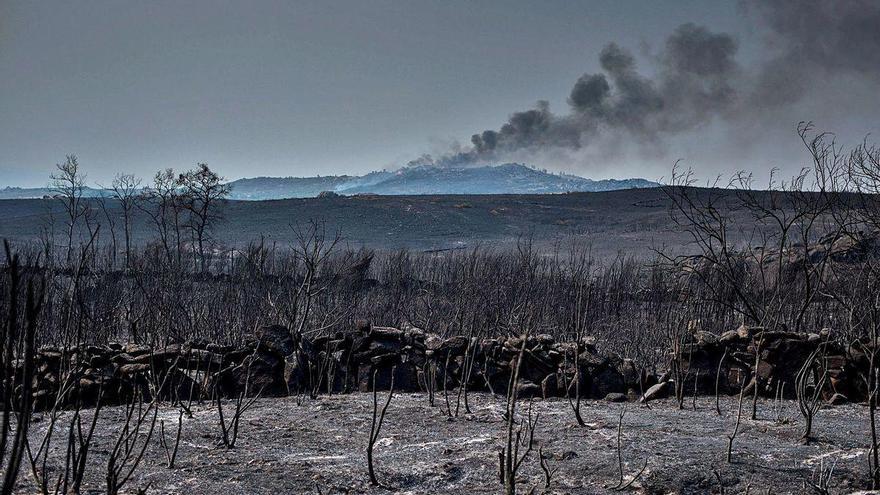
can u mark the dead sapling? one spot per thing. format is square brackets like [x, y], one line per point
[78, 447]
[25, 343]
[809, 383]
[446, 385]
[132, 442]
[545, 467]
[696, 391]
[39, 458]
[681, 373]
[873, 393]
[820, 482]
[522, 436]
[732, 436]
[485, 374]
[171, 450]
[519, 434]
[470, 354]
[229, 431]
[779, 403]
[573, 403]
[376, 425]
[718, 382]
[429, 376]
[758, 344]
[325, 371]
[621, 483]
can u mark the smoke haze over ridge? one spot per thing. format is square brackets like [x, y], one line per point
[281, 89]
[697, 78]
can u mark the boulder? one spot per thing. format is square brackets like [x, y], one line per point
[616, 397]
[388, 333]
[744, 332]
[362, 326]
[536, 366]
[127, 370]
[551, 386]
[201, 360]
[658, 391]
[606, 381]
[378, 347]
[590, 359]
[455, 345]
[433, 342]
[136, 349]
[179, 386]
[526, 389]
[122, 358]
[259, 373]
[406, 377]
[276, 338]
[296, 374]
[704, 338]
[630, 374]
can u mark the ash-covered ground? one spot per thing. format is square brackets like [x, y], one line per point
[300, 445]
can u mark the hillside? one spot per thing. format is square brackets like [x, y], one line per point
[11, 192]
[260, 188]
[508, 178]
[632, 221]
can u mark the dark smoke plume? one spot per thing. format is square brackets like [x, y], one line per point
[698, 79]
[814, 39]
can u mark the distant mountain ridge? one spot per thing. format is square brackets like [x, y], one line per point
[12, 192]
[508, 178]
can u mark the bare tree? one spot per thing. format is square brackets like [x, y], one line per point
[128, 193]
[163, 204]
[67, 184]
[204, 191]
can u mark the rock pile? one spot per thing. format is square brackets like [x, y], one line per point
[280, 362]
[731, 357]
[422, 361]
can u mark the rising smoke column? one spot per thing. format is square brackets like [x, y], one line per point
[698, 79]
[812, 40]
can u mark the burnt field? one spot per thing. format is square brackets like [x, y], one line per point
[751, 330]
[301, 445]
[432, 266]
[632, 221]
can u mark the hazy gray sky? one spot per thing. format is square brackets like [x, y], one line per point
[305, 88]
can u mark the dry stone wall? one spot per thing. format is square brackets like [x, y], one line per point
[279, 362]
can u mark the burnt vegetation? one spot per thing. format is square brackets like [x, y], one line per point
[100, 330]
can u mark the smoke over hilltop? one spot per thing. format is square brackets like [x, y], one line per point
[696, 80]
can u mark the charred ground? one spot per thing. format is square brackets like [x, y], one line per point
[633, 221]
[300, 445]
